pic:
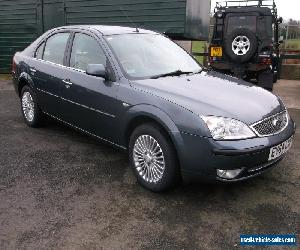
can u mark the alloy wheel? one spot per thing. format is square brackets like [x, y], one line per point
[148, 158]
[240, 45]
[28, 106]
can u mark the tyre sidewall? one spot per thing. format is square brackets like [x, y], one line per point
[253, 45]
[37, 113]
[171, 172]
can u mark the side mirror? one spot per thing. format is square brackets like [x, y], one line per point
[96, 70]
[280, 20]
[280, 40]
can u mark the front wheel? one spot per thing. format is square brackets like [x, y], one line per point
[32, 114]
[153, 158]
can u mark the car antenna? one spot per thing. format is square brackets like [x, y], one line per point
[129, 19]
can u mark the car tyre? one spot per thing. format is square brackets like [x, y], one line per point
[153, 158]
[30, 109]
[234, 36]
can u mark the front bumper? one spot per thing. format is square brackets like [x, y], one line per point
[201, 156]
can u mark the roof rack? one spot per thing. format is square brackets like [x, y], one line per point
[246, 3]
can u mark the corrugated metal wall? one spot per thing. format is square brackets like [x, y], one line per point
[161, 15]
[19, 26]
[21, 21]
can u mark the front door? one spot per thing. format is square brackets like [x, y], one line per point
[89, 102]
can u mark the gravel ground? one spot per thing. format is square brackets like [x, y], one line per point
[60, 189]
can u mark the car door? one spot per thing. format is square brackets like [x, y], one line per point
[89, 102]
[47, 71]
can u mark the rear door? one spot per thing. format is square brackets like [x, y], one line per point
[89, 102]
[48, 71]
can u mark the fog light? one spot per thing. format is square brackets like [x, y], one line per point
[228, 174]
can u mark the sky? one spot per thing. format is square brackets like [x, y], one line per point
[286, 8]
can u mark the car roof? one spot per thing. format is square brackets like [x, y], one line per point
[108, 29]
[261, 10]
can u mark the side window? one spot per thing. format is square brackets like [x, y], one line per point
[55, 48]
[39, 51]
[86, 50]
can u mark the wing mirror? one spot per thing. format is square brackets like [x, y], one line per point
[280, 20]
[96, 70]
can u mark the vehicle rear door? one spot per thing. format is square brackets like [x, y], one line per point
[89, 101]
[48, 70]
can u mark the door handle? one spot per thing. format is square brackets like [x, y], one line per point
[67, 82]
[33, 70]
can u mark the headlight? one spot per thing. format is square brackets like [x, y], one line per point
[222, 128]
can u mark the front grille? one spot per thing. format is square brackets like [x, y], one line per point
[271, 125]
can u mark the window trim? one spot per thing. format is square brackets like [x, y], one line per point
[43, 43]
[66, 48]
[69, 53]
[111, 61]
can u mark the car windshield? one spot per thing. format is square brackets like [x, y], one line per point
[151, 55]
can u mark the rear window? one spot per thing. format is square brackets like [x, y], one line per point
[237, 22]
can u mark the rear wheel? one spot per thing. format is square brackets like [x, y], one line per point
[32, 114]
[153, 158]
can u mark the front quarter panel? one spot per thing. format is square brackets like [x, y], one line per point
[174, 118]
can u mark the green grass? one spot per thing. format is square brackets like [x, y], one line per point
[292, 44]
[198, 46]
[5, 76]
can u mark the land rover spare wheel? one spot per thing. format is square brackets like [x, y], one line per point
[241, 45]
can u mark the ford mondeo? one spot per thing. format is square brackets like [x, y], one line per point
[139, 91]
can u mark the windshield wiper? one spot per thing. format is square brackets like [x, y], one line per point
[173, 73]
[198, 72]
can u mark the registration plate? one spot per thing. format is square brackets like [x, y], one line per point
[216, 51]
[280, 149]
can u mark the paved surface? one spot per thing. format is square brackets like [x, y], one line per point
[62, 190]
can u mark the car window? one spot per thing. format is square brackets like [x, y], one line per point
[86, 50]
[236, 22]
[39, 51]
[265, 27]
[55, 48]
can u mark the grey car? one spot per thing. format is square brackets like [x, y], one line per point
[139, 91]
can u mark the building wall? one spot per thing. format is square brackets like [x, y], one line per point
[161, 15]
[22, 21]
[19, 26]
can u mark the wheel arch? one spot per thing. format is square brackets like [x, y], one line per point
[142, 119]
[23, 80]
[152, 114]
